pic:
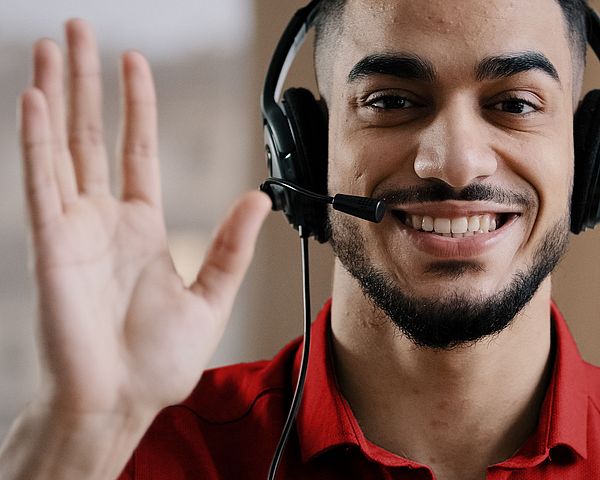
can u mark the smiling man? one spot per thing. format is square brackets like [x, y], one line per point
[440, 354]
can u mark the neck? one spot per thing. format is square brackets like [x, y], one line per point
[457, 410]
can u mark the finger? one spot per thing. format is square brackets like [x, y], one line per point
[48, 77]
[230, 253]
[139, 145]
[43, 198]
[86, 135]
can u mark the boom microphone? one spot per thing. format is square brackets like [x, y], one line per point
[367, 208]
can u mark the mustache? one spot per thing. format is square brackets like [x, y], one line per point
[438, 192]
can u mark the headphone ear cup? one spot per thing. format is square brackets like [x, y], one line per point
[308, 124]
[585, 199]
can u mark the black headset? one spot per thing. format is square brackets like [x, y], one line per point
[295, 132]
[585, 200]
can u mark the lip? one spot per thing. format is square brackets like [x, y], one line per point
[457, 248]
[451, 209]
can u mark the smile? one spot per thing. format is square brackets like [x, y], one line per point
[451, 230]
[457, 227]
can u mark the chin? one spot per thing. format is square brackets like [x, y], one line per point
[452, 302]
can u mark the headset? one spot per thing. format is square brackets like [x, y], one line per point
[585, 199]
[295, 133]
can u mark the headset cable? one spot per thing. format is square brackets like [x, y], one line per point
[289, 423]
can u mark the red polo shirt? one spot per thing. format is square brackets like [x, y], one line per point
[229, 426]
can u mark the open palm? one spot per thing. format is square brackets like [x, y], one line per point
[117, 325]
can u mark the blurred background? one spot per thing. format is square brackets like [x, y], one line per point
[209, 60]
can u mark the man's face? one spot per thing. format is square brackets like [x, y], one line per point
[459, 114]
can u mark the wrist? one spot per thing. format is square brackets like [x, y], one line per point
[50, 442]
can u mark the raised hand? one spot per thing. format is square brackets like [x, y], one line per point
[121, 335]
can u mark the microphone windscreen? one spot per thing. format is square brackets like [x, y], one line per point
[366, 208]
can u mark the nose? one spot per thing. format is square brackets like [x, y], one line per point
[454, 148]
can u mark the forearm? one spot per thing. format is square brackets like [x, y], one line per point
[43, 444]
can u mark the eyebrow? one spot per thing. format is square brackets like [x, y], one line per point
[399, 65]
[413, 67]
[501, 66]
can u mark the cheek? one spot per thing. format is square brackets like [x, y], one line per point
[550, 171]
[546, 166]
[363, 159]
[552, 166]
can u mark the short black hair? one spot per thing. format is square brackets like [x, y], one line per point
[575, 14]
[328, 23]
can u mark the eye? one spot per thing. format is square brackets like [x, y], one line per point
[390, 102]
[517, 106]
[390, 107]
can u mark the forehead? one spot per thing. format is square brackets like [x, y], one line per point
[454, 33]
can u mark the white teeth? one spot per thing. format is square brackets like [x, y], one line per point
[427, 224]
[473, 224]
[457, 227]
[460, 225]
[442, 225]
[484, 223]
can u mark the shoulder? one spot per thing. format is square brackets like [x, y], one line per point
[593, 414]
[593, 381]
[228, 410]
[226, 394]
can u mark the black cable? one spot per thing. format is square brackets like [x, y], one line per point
[289, 423]
[371, 209]
[298, 189]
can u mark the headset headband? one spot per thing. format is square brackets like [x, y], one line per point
[593, 30]
[283, 57]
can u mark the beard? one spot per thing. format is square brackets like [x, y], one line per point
[456, 319]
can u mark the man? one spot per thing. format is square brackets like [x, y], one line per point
[440, 355]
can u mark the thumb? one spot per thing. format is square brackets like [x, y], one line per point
[231, 251]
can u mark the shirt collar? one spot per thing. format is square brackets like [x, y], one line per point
[564, 413]
[569, 412]
[325, 420]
